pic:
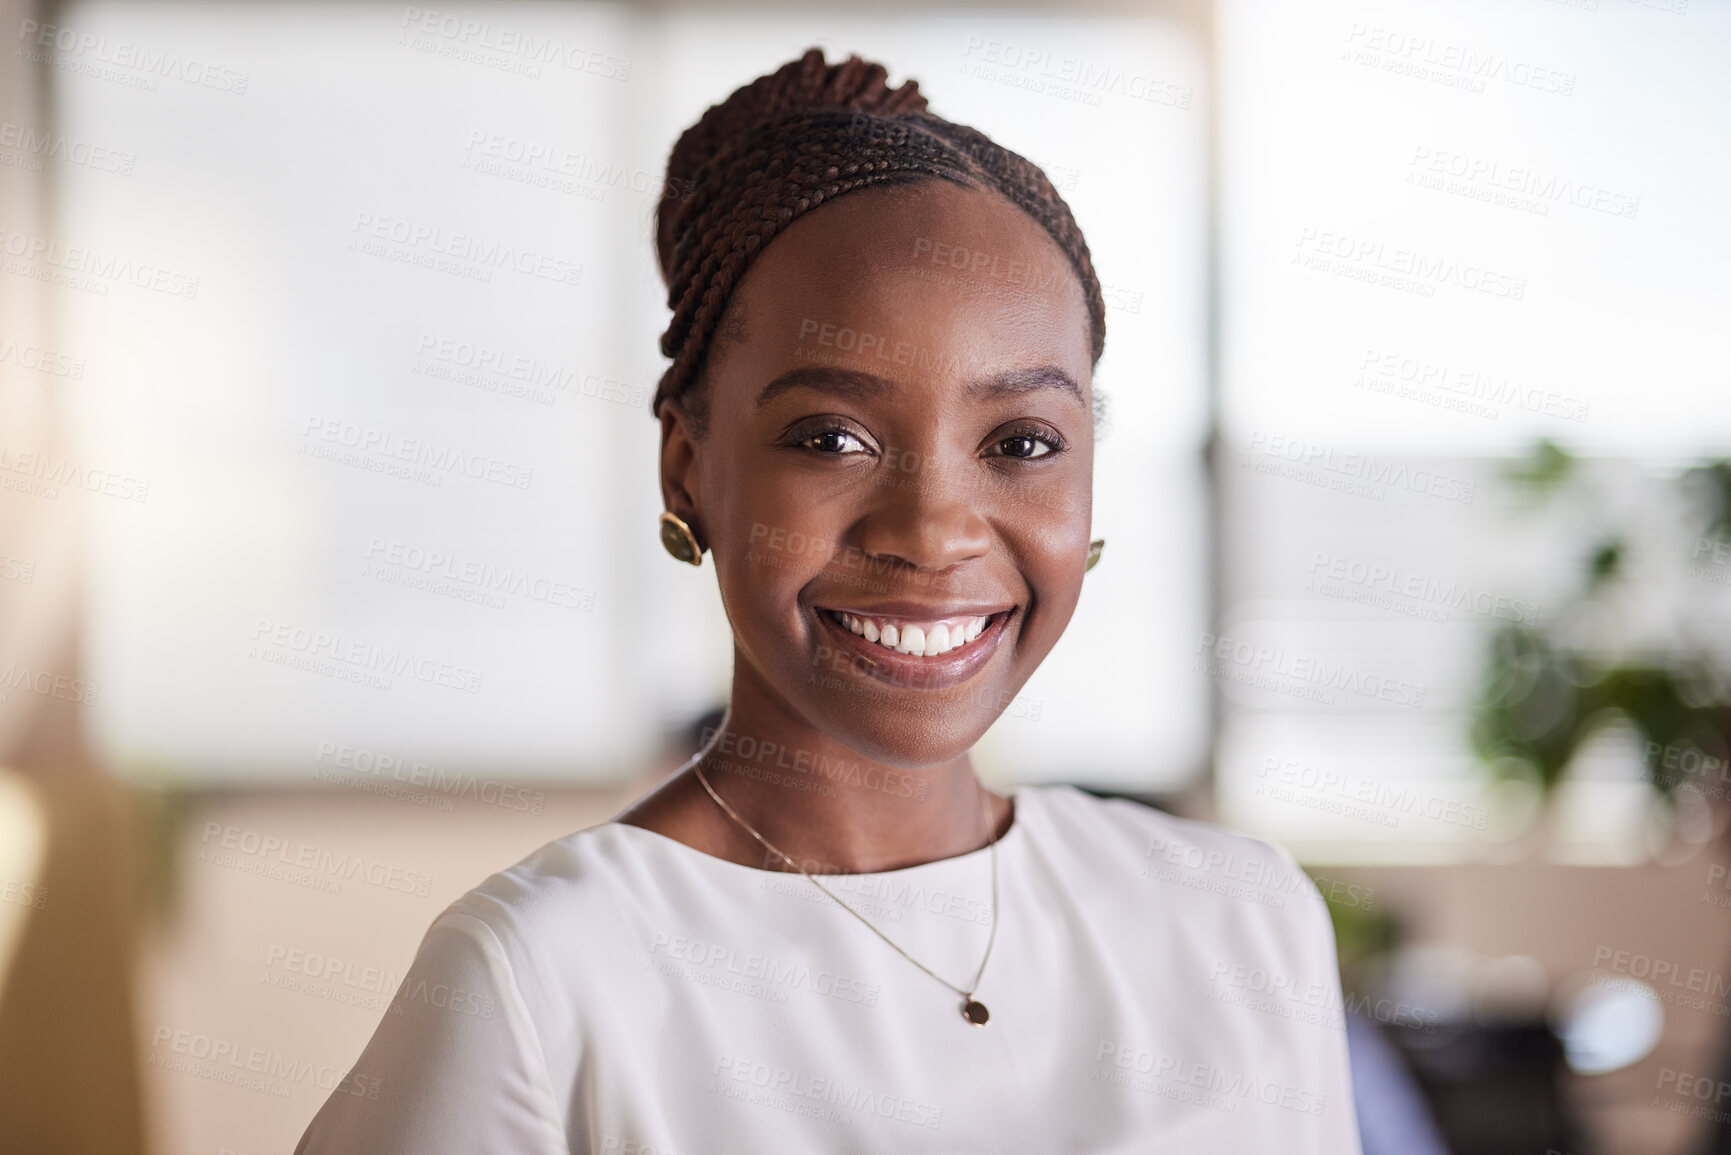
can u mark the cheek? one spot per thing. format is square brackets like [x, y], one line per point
[779, 534]
[789, 518]
[767, 546]
[1056, 572]
[1052, 543]
[759, 594]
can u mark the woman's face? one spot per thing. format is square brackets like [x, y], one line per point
[900, 438]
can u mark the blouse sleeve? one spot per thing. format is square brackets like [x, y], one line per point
[455, 1066]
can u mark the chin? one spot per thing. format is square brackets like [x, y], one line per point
[900, 730]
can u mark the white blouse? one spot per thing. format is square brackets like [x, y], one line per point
[1157, 985]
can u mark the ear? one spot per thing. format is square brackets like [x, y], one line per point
[680, 490]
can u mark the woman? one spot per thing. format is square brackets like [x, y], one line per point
[878, 420]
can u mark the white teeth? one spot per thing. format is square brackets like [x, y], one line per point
[928, 640]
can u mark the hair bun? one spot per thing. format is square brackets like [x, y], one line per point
[804, 85]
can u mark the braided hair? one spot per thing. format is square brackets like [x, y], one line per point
[793, 140]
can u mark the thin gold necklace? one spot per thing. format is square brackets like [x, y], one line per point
[973, 1010]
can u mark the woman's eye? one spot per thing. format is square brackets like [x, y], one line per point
[836, 441]
[1026, 446]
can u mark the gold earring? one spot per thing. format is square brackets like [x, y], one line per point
[1095, 548]
[678, 540]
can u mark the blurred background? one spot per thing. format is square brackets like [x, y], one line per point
[329, 579]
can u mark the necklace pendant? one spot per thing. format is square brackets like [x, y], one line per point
[975, 1012]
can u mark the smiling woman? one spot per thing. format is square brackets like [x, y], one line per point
[879, 421]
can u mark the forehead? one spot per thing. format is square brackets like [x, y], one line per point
[927, 265]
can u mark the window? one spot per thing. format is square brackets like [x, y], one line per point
[389, 384]
[1448, 230]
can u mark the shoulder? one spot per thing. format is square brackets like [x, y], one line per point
[1125, 827]
[1205, 871]
[548, 904]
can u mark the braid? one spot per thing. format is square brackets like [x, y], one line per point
[798, 138]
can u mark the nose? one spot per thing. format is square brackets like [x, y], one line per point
[926, 518]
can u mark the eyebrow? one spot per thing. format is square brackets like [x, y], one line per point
[854, 384]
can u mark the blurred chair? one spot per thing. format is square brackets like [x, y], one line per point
[1493, 1088]
[70, 1079]
[23, 849]
[1392, 1116]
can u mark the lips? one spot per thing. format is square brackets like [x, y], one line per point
[914, 646]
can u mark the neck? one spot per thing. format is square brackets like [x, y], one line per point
[829, 808]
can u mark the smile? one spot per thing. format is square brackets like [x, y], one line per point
[954, 642]
[927, 639]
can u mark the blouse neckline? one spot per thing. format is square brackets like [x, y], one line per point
[1018, 819]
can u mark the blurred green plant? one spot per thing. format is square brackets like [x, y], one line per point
[1365, 936]
[1542, 695]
